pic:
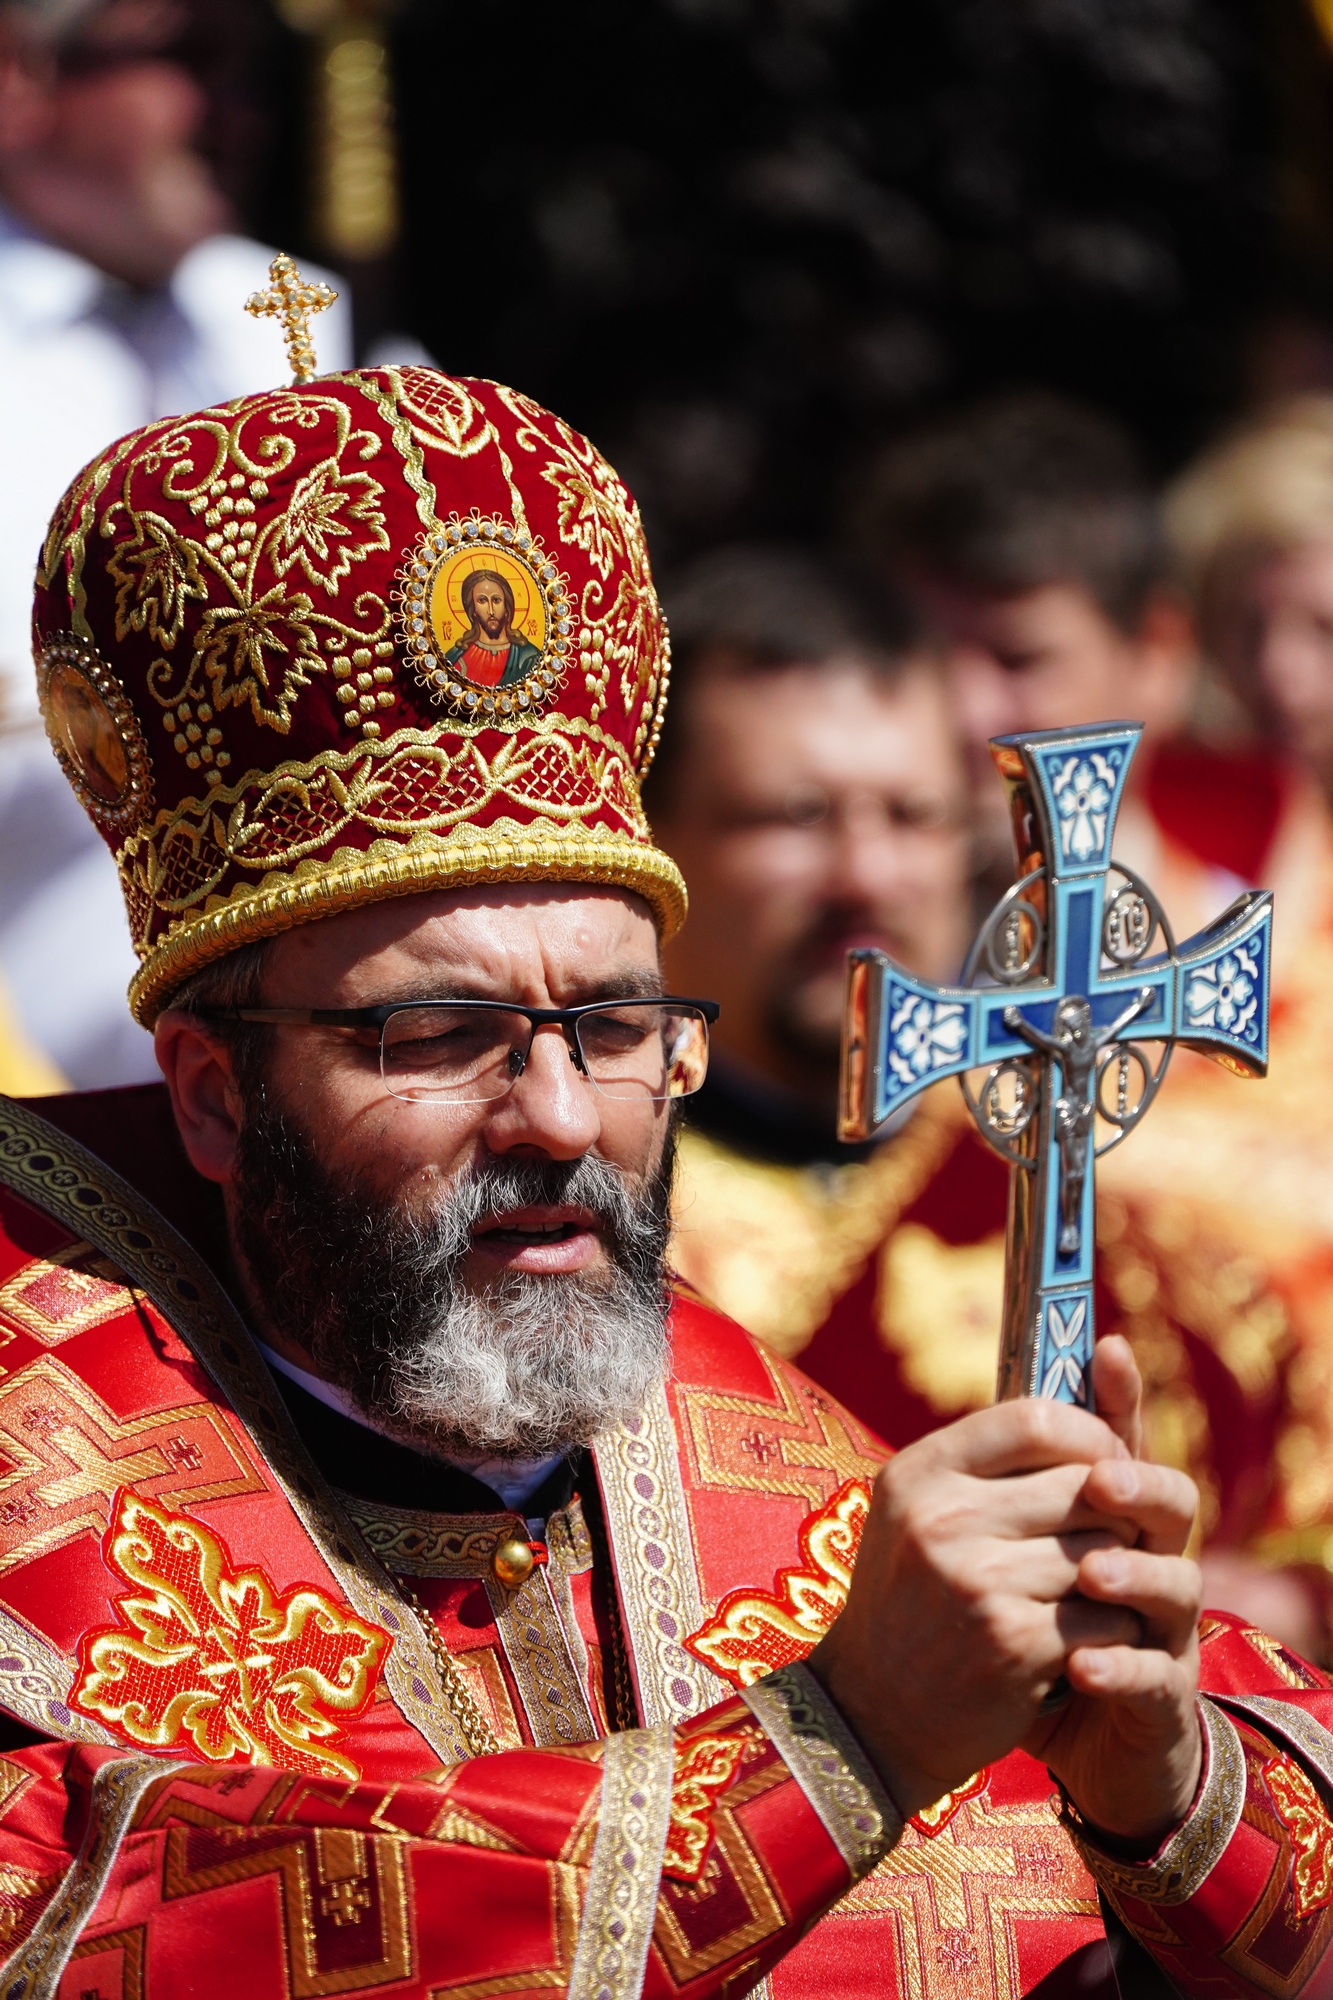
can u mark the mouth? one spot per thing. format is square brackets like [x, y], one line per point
[545, 1237]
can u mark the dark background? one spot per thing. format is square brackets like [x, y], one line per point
[740, 241]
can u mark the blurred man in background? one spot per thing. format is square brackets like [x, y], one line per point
[816, 796]
[1029, 538]
[1252, 527]
[120, 279]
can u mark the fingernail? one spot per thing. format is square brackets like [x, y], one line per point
[1112, 1570]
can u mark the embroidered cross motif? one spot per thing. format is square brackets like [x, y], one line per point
[345, 1901]
[64, 1455]
[292, 300]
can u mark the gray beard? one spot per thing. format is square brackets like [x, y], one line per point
[524, 1366]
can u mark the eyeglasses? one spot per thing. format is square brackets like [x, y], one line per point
[471, 1051]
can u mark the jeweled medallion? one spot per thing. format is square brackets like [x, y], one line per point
[486, 619]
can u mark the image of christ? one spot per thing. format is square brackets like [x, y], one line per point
[492, 653]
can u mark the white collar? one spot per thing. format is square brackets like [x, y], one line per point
[514, 1479]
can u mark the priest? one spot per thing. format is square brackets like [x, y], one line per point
[400, 1587]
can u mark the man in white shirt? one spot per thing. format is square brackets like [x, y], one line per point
[119, 286]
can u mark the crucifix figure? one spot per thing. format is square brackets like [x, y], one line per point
[1075, 1045]
[1071, 1001]
[292, 300]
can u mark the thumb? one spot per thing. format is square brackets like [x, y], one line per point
[1118, 1388]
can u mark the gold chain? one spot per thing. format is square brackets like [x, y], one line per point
[475, 1729]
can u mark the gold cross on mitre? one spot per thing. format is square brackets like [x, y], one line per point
[293, 301]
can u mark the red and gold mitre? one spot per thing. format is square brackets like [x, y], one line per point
[374, 633]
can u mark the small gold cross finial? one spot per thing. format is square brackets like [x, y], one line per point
[293, 301]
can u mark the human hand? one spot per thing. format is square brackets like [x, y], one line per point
[1127, 1746]
[967, 1605]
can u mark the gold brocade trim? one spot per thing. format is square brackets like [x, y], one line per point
[504, 853]
[411, 1542]
[36, 1682]
[541, 1659]
[1183, 1864]
[621, 1904]
[1294, 1726]
[55, 1173]
[652, 1550]
[34, 1971]
[774, 1246]
[829, 1765]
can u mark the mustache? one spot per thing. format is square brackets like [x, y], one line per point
[380, 1294]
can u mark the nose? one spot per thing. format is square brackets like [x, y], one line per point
[864, 856]
[550, 1111]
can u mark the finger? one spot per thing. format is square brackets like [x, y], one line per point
[1050, 1502]
[1158, 1499]
[1117, 1388]
[1165, 1591]
[1140, 1676]
[1042, 1571]
[1084, 1626]
[1021, 1436]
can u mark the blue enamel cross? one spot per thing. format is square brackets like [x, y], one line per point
[1072, 999]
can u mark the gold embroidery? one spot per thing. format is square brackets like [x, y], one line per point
[402, 790]
[1186, 1860]
[215, 1656]
[774, 1246]
[803, 1447]
[1303, 1814]
[33, 1971]
[939, 1312]
[72, 1290]
[61, 1177]
[412, 1542]
[827, 1762]
[648, 1525]
[621, 1904]
[704, 1766]
[540, 851]
[753, 1632]
[68, 1455]
[959, 1900]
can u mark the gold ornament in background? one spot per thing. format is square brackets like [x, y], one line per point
[355, 169]
[1323, 14]
[294, 302]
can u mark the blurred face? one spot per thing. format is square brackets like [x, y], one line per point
[817, 809]
[1050, 658]
[102, 160]
[1275, 640]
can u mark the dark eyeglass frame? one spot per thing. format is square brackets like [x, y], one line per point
[378, 1017]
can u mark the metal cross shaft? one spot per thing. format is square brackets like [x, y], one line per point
[1072, 999]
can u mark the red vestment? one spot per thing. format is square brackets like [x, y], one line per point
[242, 1768]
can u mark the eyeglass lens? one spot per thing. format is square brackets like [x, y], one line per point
[630, 1050]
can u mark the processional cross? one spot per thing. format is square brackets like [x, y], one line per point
[1072, 978]
[294, 301]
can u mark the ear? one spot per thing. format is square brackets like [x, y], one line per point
[204, 1096]
[1167, 663]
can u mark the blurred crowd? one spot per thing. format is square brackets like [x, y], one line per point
[825, 782]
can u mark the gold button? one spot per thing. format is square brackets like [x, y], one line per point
[512, 1562]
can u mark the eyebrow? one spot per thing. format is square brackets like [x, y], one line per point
[636, 983]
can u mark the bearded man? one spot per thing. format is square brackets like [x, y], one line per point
[401, 1586]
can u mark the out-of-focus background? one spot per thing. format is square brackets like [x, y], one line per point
[973, 367]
